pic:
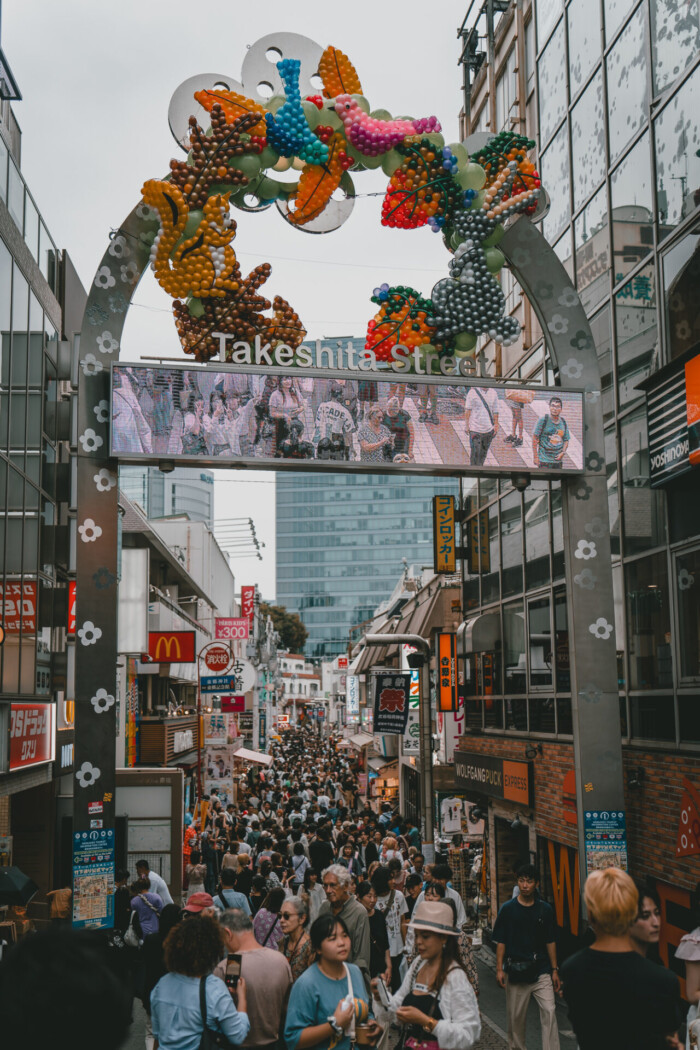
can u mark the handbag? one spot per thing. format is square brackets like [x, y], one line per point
[523, 972]
[131, 937]
[210, 1039]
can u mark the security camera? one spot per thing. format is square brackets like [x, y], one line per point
[415, 660]
[166, 466]
[520, 481]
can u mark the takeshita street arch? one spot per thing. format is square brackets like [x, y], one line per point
[182, 228]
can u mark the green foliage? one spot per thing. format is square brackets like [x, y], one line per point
[288, 625]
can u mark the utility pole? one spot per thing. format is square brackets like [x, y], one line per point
[420, 659]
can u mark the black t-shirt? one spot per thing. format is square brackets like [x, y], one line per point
[619, 999]
[379, 944]
[526, 930]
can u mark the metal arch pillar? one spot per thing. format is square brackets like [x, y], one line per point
[587, 553]
[597, 743]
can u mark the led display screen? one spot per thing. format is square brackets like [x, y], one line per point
[282, 420]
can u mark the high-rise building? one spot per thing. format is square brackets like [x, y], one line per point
[342, 540]
[41, 308]
[184, 490]
[608, 91]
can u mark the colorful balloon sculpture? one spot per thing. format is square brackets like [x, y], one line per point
[324, 136]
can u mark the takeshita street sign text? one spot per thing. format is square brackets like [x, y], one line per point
[325, 420]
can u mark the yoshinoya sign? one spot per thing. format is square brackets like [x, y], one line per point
[496, 777]
[670, 395]
[290, 420]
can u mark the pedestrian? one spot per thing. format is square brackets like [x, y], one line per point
[157, 883]
[617, 998]
[392, 903]
[296, 943]
[300, 865]
[339, 902]
[414, 887]
[551, 437]
[435, 1003]
[313, 894]
[266, 924]
[442, 873]
[147, 906]
[191, 951]
[267, 977]
[330, 995]
[196, 874]
[201, 905]
[645, 931]
[122, 900]
[244, 876]
[258, 893]
[228, 896]
[526, 960]
[61, 906]
[379, 955]
[153, 961]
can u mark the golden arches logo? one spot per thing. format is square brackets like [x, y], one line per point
[170, 644]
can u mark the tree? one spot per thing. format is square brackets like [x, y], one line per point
[288, 625]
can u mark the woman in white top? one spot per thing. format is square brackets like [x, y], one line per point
[435, 1003]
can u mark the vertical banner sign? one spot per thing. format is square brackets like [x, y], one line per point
[477, 544]
[444, 534]
[447, 698]
[93, 877]
[248, 603]
[391, 692]
[411, 736]
[352, 696]
[692, 399]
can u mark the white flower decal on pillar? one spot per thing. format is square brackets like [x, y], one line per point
[104, 278]
[90, 365]
[89, 531]
[89, 633]
[586, 549]
[106, 343]
[104, 480]
[601, 628]
[101, 410]
[90, 440]
[87, 774]
[102, 701]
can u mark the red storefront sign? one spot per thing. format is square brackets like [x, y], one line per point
[71, 607]
[31, 735]
[18, 604]
[233, 703]
[248, 603]
[232, 628]
[342, 663]
[172, 647]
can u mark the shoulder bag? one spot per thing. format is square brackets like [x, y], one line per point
[131, 937]
[210, 1039]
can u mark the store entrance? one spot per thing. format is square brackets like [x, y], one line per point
[512, 850]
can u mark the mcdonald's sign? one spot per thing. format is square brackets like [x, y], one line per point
[172, 647]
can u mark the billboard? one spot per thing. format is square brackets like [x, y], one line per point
[31, 735]
[171, 647]
[278, 420]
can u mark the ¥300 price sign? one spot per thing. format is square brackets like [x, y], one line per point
[233, 628]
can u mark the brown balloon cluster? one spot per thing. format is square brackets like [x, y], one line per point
[212, 158]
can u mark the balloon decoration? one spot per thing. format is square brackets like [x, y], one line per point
[325, 133]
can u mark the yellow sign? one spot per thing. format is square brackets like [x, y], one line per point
[444, 534]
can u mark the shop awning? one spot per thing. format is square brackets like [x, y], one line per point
[381, 763]
[253, 756]
[361, 740]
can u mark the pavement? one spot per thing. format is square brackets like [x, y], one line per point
[492, 1002]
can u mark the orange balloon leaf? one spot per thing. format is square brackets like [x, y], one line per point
[233, 106]
[317, 184]
[338, 74]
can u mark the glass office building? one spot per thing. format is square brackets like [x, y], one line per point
[184, 490]
[341, 544]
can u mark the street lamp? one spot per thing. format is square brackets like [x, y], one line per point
[419, 660]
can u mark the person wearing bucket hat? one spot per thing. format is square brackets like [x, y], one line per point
[436, 1003]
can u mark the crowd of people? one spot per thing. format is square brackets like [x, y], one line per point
[310, 921]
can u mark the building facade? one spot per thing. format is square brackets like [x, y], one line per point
[608, 91]
[183, 490]
[41, 305]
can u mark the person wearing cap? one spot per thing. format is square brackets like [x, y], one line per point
[436, 1003]
[200, 904]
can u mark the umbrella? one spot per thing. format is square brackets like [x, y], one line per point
[16, 887]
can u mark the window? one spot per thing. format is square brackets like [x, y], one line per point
[506, 93]
[653, 717]
[552, 79]
[636, 323]
[632, 213]
[540, 643]
[555, 176]
[644, 516]
[547, 13]
[675, 39]
[15, 196]
[584, 41]
[677, 163]
[687, 588]
[648, 624]
[592, 238]
[627, 84]
[681, 276]
[514, 649]
[600, 330]
[561, 643]
[511, 544]
[588, 141]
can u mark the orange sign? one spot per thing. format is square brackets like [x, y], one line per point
[448, 700]
[564, 886]
[172, 647]
[516, 782]
[692, 398]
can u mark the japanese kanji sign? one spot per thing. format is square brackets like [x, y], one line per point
[444, 534]
[18, 605]
[248, 603]
[31, 735]
[447, 698]
[391, 698]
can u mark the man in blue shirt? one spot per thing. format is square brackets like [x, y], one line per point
[551, 437]
[227, 897]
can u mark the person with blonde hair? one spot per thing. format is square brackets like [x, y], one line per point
[616, 997]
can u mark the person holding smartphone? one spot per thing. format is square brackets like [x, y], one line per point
[330, 996]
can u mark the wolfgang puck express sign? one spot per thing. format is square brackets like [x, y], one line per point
[497, 777]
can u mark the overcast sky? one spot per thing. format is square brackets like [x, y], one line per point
[97, 79]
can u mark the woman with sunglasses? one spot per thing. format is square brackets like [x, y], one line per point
[296, 943]
[330, 996]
